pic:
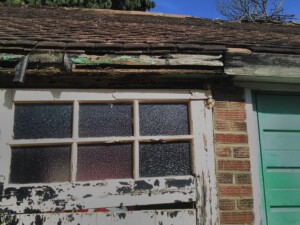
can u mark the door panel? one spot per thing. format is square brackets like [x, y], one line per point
[279, 130]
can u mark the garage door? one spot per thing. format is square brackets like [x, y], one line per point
[279, 127]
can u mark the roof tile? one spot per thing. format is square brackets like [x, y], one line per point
[58, 28]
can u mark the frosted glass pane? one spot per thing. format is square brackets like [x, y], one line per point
[40, 164]
[104, 161]
[164, 119]
[164, 159]
[103, 120]
[34, 121]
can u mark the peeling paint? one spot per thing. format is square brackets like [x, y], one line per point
[63, 197]
[21, 193]
[31, 210]
[47, 193]
[173, 214]
[179, 183]
[124, 190]
[9, 219]
[88, 196]
[71, 218]
[1, 191]
[39, 220]
[122, 215]
[142, 185]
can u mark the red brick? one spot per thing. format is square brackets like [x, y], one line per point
[227, 204]
[235, 191]
[233, 115]
[225, 178]
[233, 165]
[237, 105]
[243, 178]
[222, 125]
[233, 105]
[231, 126]
[221, 104]
[231, 138]
[223, 152]
[245, 204]
[238, 126]
[241, 152]
[237, 218]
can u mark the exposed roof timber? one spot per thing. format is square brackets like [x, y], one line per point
[262, 66]
[50, 59]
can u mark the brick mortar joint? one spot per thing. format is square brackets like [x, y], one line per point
[231, 132]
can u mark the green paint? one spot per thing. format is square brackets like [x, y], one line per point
[89, 61]
[279, 130]
[107, 59]
[10, 57]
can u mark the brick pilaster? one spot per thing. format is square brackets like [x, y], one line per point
[232, 157]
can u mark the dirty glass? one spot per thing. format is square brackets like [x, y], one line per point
[164, 159]
[33, 121]
[164, 119]
[40, 164]
[104, 120]
[104, 161]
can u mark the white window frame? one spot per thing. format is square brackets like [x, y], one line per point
[104, 193]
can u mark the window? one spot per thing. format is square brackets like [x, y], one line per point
[107, 140]
[104, 148]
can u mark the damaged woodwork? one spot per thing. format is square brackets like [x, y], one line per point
[151, 217]
[112, 78]
[262, 65]
[78, 196]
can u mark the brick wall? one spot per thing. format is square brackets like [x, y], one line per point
[232, 156]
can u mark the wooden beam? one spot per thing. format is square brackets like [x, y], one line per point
[150, 60]
[262, 65]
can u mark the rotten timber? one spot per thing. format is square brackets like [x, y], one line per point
[113, 78]
[268, 65]
[43, 60]
[150, 60]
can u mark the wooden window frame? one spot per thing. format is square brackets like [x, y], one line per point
[116, 192]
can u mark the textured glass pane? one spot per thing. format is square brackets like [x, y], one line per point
[103, 120]
[164, 119]
[164, 159]
[43, 121]
[40, 164]
[104, 161]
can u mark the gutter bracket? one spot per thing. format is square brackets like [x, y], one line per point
[20, 69]
[68, 64]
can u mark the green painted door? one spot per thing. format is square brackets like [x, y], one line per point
[279, 128]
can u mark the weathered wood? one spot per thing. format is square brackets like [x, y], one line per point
[98, 194]
[263, 64]
[144, 217]
[113, 78]
[149, 60]
[204, 167]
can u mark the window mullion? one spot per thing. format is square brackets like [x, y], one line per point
[136, 125]
[75, 137]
